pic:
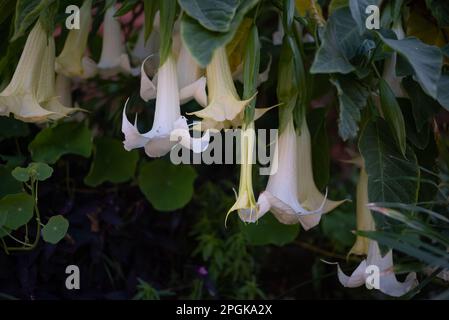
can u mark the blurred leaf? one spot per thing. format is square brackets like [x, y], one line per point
[66, 138]
[339, 45]
[10, 128]
[35, 171]
[267, 230]
[27, 11]
[352, 97]
[425, 60]
[337, 227]
[392, 114]
[55, 229]
[440, 10]
[214, 15]
[8, 185]
[126, 7]
[424, 28]
[6, 9]
[443, 91]
[202, 42]
[167, 14]
[334, 5]
[166, 186]
[16, 210]
[111, 163]
[150, 9]
[236, 48]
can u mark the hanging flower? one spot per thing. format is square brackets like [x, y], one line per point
[308, 193]
[73, 62]
[365, 221]
[388, 283]
[191, 82]
[246, 202]
[281, 194]
[113, 55]
[31, 94]
[225, 109]
[169, 127]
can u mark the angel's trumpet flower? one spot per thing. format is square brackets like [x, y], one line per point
[47, 93]
[225, 109]
[281, 193]
[31, 94]
[387, 282]
[364, 219]
[308, 193]
[246, 202]
[169, 127]
[191, 83]
[389, 72]
[113, 55]
[73, 62]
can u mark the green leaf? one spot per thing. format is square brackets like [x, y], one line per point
[425, 60]
[66, 138]
[167, 19]
[358, 12]
[166, 186]
[334, 5]
[35, 171]
[8, 185]
[11, 128]
[202, 42]
[267, 230]
[18, 210]
[391, 177]
[150, 9]
[352, 97]
[339, 45]
[392, 114]
[27, 11]
[440, 10]
[111, 163]
[6, 9]
[215, 15]
[126, 7]
[55, 229]
[337, 227]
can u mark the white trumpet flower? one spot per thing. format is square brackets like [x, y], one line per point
[246, 202]
[365, 221]
[308, 193]
[31, 94]
[191, 83]
[73, 62]
[169, 127]
[225, 109]
[281, 194]
[388, 284]
[113, 54]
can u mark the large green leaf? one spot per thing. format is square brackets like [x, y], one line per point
[66, 138]
[8, 185]
[392, 114]
[10, 128]
[112, 163]
[391, 177]
[202, 42]
[166, 186]
[150, 9]
[339, 45]
[425, 60]
[352, 97]
[27, 11]
[16, 210]
[358, 11]
[55, 229]
[215, 15]
[267, 230]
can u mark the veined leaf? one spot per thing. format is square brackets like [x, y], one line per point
[27, 11]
